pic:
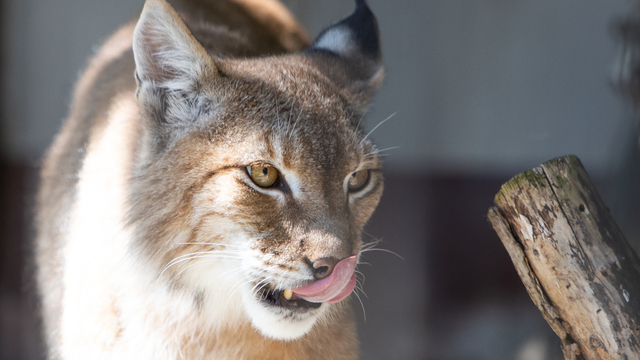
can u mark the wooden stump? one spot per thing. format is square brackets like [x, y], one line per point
[573, 260]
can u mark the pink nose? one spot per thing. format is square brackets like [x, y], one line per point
[323, 267]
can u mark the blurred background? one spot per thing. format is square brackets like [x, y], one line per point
[483, 90]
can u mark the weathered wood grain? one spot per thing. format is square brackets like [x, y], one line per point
[573, 260]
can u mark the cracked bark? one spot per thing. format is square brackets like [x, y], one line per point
[575, 263]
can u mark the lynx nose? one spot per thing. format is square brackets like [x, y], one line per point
[323, 267]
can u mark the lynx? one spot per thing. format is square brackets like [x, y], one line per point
[206, 197]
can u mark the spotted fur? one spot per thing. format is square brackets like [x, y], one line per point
[153, 241]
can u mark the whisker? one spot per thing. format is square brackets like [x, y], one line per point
[364, 313]
[278, 110]
[230, 271]
[294, 124]
[361, 289]
[383, 250]
[373, 238]
[265, 282]
[381, 150]
[358, 272]
[237, 287]
[213, 244]
[194, 264]
[372, 156]
[193, 256]
[230, 252]
[210, 256]
[210, 252]
[371, 244]
[388, 149]
[380, 123]
[261, 284]
[380, 156]
[356, 131]
[190, 256]
[282, 279]
[261, 271]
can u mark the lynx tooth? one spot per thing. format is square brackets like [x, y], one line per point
[288, 294]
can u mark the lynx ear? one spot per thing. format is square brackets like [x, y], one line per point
[165, 51]
[355, 41]
[171, 68]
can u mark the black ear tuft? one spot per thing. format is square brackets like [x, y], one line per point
[365, 29]
[358, 32]
[354, 42]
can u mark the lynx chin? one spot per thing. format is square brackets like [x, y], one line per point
[206, 196]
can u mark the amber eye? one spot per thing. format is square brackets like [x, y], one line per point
[264, 175]
[358, 180]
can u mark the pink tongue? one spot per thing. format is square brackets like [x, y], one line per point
[333, 288]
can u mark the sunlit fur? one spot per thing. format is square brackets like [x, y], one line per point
[153, 241]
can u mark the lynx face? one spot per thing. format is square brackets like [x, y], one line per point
[254, 178]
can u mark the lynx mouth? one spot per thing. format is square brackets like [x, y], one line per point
[277, 298]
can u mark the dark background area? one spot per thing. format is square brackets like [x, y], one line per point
[483, 89]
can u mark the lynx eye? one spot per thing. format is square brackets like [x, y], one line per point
[358, 180]
[264, 175]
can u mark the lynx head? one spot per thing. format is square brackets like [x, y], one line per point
[254, 178]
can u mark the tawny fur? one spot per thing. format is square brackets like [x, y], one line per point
[153, 242]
